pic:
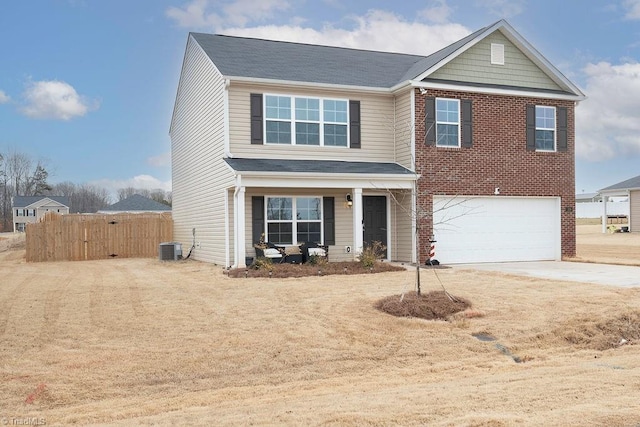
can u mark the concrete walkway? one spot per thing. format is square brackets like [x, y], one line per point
[603, 274]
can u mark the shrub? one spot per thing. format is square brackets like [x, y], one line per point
[372, 253]
[318, 260]
[262, 263]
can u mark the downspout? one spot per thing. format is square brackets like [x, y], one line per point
[226, 228]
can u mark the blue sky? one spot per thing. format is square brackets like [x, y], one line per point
[87, 86]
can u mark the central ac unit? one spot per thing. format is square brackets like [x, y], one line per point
[170, 251]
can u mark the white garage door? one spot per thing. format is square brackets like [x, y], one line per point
[496, 229]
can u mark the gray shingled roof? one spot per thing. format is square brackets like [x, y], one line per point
[23, 201]
[625, 185]
[137, 203]
[316, 166]
[278, 60]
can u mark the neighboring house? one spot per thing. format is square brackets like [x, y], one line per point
[588, 198]
[136, 204]
[314, 143]
[631, 189]
[29, 209]
[590, 205]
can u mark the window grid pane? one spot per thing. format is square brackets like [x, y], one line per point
[545, 140]
[278, 107]
[308, 232]
[280, 233]
[308, 109]
[278, 132]
[307, 134]
[335, 111]
[447, 135]
[335, 135]
[279, 209]
[447, 111]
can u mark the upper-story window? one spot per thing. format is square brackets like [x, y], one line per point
[447, 122]
[545, 128]
[19, 212]
[306, 121]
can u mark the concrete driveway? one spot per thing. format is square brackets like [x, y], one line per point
[604, 274]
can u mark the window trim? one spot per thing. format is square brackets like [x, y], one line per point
[293, 120]
[554, 129]
[294, 221]
[458, 123]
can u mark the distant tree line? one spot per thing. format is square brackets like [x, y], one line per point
[21, 175]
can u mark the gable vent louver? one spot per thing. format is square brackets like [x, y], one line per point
[497, 54]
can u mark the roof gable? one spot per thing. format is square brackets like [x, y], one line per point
[474, 66]
[37, 201]
[524, 48]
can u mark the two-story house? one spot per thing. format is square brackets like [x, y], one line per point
[344, 147]
[29, 209]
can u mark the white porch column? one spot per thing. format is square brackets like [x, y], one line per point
[604, 213]
[238, 222]
[358, 220]
[414, 228]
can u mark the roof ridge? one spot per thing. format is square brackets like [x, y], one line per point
[386, 52]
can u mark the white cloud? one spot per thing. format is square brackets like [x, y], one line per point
[163, 159]
[377, 30]
[607, 125]
[196, 14]
[503, 8]
[4, 98]
[146, 182]
[633, 9]
[438, 13]
[54, 99]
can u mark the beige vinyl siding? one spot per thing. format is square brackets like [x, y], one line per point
[475, 66]
[634, 211]
[376, 124]
[402, 226]
[200, 179]
[404, 129]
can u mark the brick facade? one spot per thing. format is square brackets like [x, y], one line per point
[498, 158]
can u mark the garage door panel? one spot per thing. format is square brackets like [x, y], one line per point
[495, 229]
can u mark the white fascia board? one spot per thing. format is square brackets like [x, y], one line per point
[312, 85]
[305, 180]
[496, 91]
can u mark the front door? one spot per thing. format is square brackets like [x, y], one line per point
[374, 211]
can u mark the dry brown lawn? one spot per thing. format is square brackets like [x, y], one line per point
[608, 248]
[138, 341]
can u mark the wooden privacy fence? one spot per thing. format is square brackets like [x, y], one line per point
[77, 237]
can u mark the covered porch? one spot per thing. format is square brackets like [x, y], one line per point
[340, 205]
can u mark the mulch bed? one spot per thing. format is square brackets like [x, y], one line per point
[435, 305]
[305, 270]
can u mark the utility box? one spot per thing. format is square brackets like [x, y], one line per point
[170, 251]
